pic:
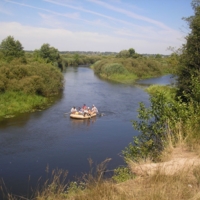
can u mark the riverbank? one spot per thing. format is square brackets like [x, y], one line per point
[13, 103]
[128, 70]
[25, 87]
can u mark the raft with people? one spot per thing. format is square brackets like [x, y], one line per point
[84, 112]
[80, 116]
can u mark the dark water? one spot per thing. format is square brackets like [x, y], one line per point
[31, 142]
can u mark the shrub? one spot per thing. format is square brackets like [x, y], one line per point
[122, 174]
[159, 120]
[35, 78]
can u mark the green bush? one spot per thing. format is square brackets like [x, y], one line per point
[139, 67]
[122, 174]
[159, 120]
[114, 68]
[34, 78]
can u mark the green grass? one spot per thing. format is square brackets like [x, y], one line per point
[169, 92]
[12, 103]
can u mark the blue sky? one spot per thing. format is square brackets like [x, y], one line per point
[148, 26]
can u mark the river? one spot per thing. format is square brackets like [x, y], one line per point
[31, 142]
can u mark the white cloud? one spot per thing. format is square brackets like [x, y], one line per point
[53, 21]
[64, 40]
[130, 14]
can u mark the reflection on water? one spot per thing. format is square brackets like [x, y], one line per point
[18, 121]
[86, 122]
[164, 80]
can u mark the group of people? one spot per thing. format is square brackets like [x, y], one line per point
[84, 110]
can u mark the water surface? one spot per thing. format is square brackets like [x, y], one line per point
[32, 141]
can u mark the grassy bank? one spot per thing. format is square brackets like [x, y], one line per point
[25, 87]
[127, 70]
[12, 103]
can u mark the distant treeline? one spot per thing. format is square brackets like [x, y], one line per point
[77, 59]
[103, 53]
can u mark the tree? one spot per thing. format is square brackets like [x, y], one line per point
[11, 48]
[190, 58]
[49, 54]
[131, 51]
[123, 54]
[158, 56]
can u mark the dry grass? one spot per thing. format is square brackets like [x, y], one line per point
[178, 178]
[158, 186]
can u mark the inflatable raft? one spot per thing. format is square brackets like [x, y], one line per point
[80, 116]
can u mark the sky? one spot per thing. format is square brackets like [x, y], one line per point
[148, 26]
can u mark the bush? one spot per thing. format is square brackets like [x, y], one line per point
[35, 78]
[159, 121]
[122, 174]
[114, 68]
[139, 67]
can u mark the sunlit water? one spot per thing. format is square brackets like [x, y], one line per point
[31, 142]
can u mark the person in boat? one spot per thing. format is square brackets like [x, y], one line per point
[87, 111]
[80, 111]
[73, 110]
[94, 109]
[84, 107]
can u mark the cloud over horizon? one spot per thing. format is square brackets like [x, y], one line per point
[90, 25]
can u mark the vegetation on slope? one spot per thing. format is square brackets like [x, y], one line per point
[26, 82]
[127, 67]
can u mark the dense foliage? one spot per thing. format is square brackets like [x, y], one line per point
[11, 49]
[25, 82]
[32, 78]
[128, 54]
[123, 69]
[77, 59]
[167, 117]
[190, 58]
[49, 54]
[173, 111]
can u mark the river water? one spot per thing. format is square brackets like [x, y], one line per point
[31, 142]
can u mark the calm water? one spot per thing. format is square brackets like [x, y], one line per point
[31, 142]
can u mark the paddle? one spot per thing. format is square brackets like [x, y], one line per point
[100, 114]
[67, 113]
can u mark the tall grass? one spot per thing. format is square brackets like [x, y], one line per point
[182, 185]
[18, 102]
